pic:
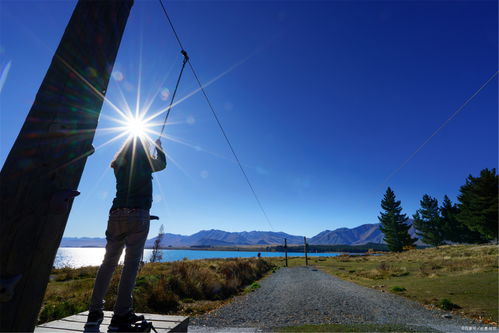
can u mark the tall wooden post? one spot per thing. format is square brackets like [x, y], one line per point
[286, 250]
[42, 171]
[305, 249]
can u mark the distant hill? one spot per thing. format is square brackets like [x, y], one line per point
[215, 237]
[363, 234]
[83, 242]
[366, 233]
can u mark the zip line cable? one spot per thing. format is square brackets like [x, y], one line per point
[442, 126]
[230, 145]
[171, 24]
[187, 60]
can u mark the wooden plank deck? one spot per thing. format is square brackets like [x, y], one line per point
[76, 323]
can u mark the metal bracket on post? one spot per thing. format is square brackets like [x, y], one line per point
[60, 200]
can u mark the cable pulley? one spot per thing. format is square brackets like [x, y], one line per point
[185, 60]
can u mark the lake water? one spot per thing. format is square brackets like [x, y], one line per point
[79, 256]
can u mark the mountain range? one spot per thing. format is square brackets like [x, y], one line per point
[363, 234]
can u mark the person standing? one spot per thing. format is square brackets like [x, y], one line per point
[127, 227]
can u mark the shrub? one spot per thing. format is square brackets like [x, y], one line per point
[446, 304]
[61, 310]
[384, 267]
[372, 274]
[398, 289]
[159, 286]
[428, 268]
[344, 258]
[161, 299]
[68, 273]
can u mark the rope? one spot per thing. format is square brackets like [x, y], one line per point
[201, 87]
[186, 59]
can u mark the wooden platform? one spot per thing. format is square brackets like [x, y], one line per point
[76, 323]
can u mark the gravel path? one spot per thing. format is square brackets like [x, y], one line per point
[304, 295]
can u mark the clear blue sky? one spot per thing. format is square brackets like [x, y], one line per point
[334, 97]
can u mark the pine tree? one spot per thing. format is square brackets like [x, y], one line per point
[478, 204]
[156, 255]
[393, 223]
[454, 230]
[428, 223]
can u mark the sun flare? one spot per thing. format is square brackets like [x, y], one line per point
[136, 126]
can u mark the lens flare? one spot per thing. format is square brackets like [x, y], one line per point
[165, 94]
[118, 76]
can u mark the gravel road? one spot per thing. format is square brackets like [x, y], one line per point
[304, 295]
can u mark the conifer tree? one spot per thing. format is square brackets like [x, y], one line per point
[428, 223]
[478, 204]
[393, 226]
[454, 230]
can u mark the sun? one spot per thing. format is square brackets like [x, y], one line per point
[136, 126]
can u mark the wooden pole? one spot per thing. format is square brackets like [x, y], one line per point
[286, 250]
[305, 250]
[40, 176]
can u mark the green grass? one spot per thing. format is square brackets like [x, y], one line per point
[353, 328]
[465, 275]
[252, 287]
[182, 287]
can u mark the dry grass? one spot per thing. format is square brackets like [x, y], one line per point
[464, 275]
[68, 273]
[187, 287]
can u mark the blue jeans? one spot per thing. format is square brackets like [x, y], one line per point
[128, 228]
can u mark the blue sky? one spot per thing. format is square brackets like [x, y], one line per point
[326, 100]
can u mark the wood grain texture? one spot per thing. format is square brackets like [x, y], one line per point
[45, 164]
[76, 323]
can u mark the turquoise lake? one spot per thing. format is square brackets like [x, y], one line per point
[79, 257]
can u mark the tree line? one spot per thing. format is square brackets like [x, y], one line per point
[474, 219]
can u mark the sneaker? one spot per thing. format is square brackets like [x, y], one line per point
[94, 320]
[129, 322]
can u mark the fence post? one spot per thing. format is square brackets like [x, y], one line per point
[305, 249]
[286, 250]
